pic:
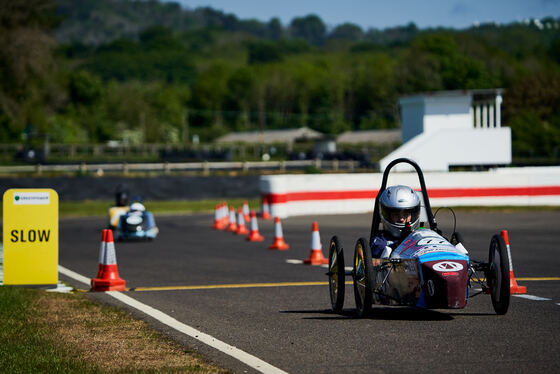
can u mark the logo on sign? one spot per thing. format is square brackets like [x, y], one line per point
[31, 198]
[445, 266]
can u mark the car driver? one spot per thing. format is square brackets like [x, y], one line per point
[400, 207]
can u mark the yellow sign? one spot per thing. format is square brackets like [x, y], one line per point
[30, 237]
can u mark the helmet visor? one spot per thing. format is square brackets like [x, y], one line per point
[400, 216]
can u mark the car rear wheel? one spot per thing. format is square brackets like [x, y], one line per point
[336, 274]
[363, 278]
[498, 274]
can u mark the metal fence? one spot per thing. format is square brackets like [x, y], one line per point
[169, 167]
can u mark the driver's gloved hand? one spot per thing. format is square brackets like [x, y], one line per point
[378, 246]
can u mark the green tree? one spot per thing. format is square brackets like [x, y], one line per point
[435, 62]
[371, 97]
[263, 51]
[274, 28]
[309, 28]
[160, 55]
[242, 95]
[347, 31]
[208, 97]
[84, 88]
[533, 137]
[26, 64]
[532, 110]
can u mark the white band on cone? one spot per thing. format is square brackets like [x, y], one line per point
[240, 219]
[110, 255]
[278, 230]
[316, 240]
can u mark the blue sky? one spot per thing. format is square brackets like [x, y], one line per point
[388, 13]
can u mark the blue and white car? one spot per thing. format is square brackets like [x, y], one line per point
[136, 224]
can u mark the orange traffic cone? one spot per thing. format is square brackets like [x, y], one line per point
[246, 212]
[513, 286]
[218, 219]
[109, 279]
[316, 256]
[232, 226]
[279, 242]
[265, 209]
[241, 228]
[254, 235]
[225, 215]
[102, 252]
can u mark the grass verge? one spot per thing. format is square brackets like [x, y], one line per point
[69, 333]
[101, 208]
[91, 208]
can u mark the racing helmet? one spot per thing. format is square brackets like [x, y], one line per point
[399, 205]
[137, 207]
[121, 198]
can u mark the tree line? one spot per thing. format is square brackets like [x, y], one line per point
[151, 72]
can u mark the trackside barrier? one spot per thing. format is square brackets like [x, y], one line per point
[293, 195]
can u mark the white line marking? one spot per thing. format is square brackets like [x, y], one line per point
[242, 356]
[292, 261]
[250, 360]
[73, 275]
[531, 297]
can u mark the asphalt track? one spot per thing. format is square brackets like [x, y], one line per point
[246, 295]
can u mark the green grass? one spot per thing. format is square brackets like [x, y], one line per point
[26, 346]
[101, 208]
[46, 332]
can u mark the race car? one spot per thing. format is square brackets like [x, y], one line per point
[136, 223]
[425, 270]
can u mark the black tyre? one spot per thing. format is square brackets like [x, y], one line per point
[336, 274]
[363, 277]
[498, 274]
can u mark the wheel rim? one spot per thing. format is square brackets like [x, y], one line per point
[360, 275]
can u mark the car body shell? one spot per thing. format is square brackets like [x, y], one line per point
[425, 270]
[136, 225]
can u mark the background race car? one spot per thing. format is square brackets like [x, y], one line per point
[136, 224]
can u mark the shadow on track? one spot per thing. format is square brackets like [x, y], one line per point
[380, 313]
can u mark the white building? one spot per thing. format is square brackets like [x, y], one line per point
[453, 128]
